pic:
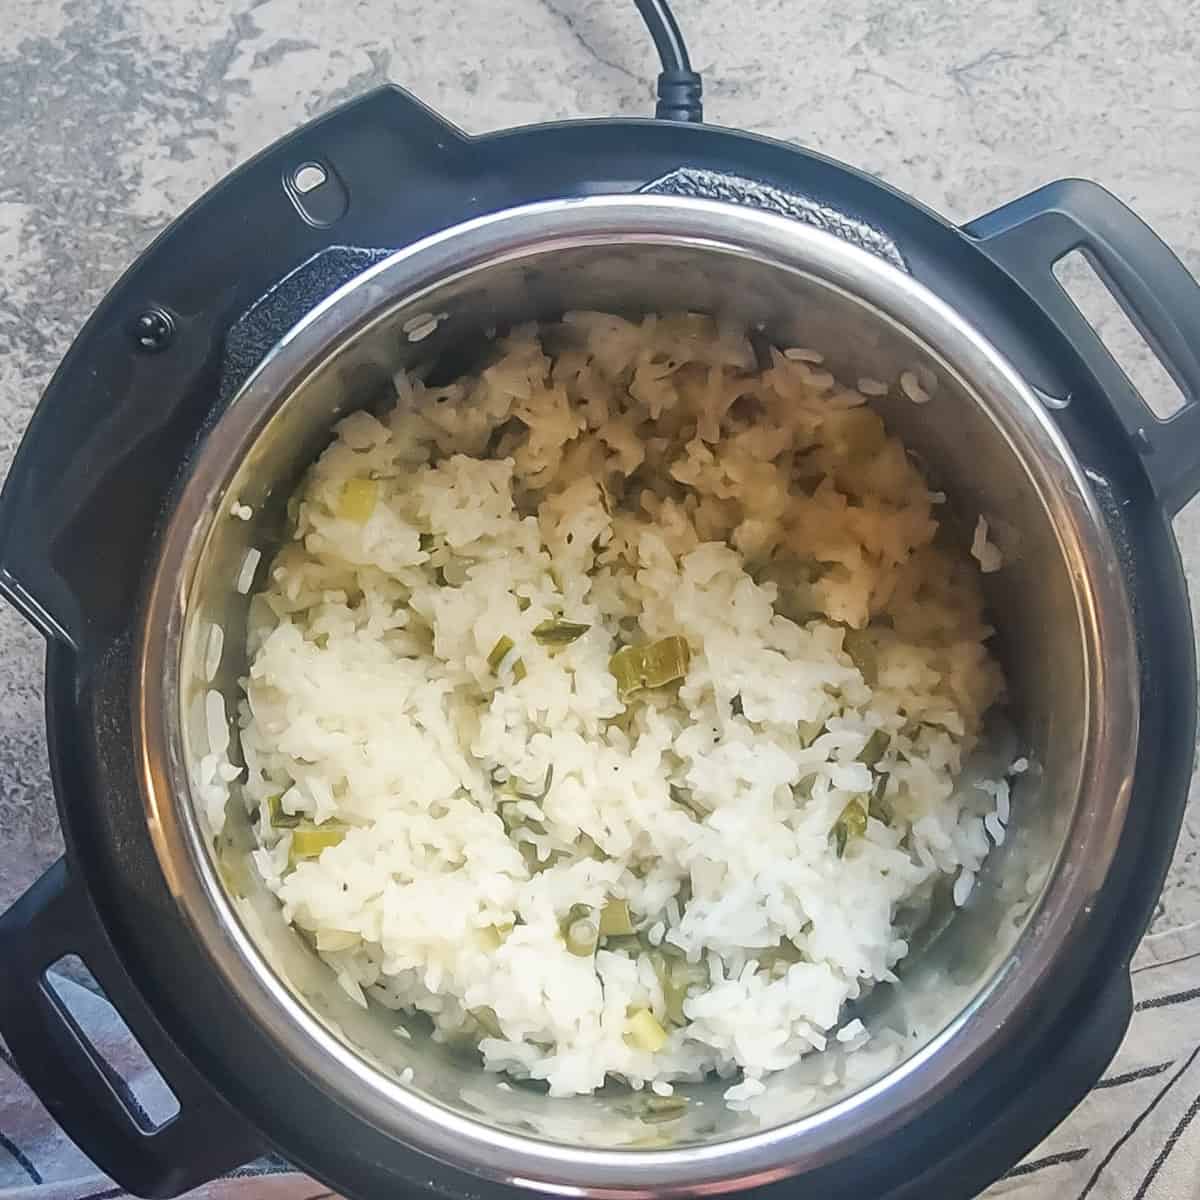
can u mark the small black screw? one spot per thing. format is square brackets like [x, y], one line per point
[152, 330]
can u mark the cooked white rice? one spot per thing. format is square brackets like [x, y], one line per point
[645, 480]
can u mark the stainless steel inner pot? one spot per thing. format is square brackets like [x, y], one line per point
[1059, 604]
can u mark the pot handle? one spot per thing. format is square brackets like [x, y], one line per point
[82, 1092]
[1028, 236]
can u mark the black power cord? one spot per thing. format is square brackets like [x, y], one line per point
[679, 87]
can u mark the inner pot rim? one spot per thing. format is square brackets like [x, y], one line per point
[1103, 615]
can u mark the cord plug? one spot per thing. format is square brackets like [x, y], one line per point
[680, 95]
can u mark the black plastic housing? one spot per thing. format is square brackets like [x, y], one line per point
[102, 459]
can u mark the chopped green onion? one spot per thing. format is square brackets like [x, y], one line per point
[519, 671]
[559, 633]
[674, 994]
[615, 920]
[279, 818]
[809, 731]
[487, 1020]
[878, 805]
[630, 943]
[514, 819]
[649, 666]
[677, 979]
[852, 823]
[778, 959]
[863, 651]
[664, 1108]
[498, 652]
[644, 1032]
[491, 937]
[684, 799]
[357, 501]
[875, 748]
[311, 840]
[581, 938]
[233, 875]
[580, 931]
[586, 848]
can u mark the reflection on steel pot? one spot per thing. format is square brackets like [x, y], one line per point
[110, 541]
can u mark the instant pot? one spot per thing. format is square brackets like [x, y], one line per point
[381, 237]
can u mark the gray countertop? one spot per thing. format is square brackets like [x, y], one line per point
[115, 114]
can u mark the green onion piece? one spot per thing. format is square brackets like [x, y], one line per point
[778, 959]
[559, 633]
[649, 666]
[491, 937]
[804, 789]
[675, 992]
[875, 748]
[664, 1108]
[519, 671]
[878, 806]
[630, 944]
[279, 818]
[809, 731]
[684, 799]
[509, 788]
[581, 938]
[615, 920]
[864, 652]
[357, 501]
[852, 823]
[499, 650]
[677, 978]
[514, 819]
[580, 931]
[586, 848]
[657, 960]
[309, 841]
[644, 1032]
[487, 1020]
[233, 875]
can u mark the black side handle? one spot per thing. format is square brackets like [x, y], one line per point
[83, 497]
[1028, 236]
[80, 1090]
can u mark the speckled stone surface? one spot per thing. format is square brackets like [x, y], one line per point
[115, 114]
